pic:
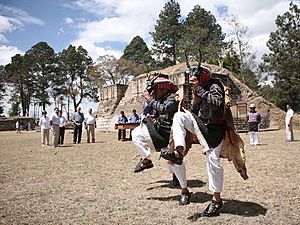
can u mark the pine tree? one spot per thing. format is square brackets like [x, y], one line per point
[167, 34]
[18, 76]
[202, 33]
[41, 62]
[74, 66]
[284, 60]
[138, 52]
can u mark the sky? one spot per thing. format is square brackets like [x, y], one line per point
[107, 26]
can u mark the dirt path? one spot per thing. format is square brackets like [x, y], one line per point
[95, 184]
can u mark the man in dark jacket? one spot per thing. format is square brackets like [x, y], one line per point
[206, 120]
[154, 131]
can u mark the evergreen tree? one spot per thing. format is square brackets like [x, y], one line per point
[201, 33]
[232, 62]
[283, 62]
[138, 52]
[167, 34]
[74, 66]
[15, 109]
[17, 75]
[41, 62]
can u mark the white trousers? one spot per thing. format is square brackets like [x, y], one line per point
[180, 172]
[214, 169]
[254, 138]
[141, 139]
[90, 131]
[45, 136]
[289, 132]
[181, 123]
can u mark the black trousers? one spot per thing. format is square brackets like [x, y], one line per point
[61, 135]
[77, 132]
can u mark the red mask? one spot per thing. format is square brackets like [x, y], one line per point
[203, 78]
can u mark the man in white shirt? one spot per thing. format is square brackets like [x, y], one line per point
[90, 125]
[18, 127]
[45, 127]
[54, 122]
[62, 128]
[288, 123]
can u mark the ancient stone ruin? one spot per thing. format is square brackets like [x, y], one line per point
[117, 98]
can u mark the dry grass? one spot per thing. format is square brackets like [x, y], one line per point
[95, 184]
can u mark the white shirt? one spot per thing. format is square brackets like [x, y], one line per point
[45, 122]
[289, 115]
[89, 119]
[63, 121]
[55, 119]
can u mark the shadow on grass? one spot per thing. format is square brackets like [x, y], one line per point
[235, 207]
[168, 184]
[261, 144]
[198, 197]
[65, 146]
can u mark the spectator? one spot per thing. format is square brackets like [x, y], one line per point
[54, 122]
[62, 127]
[253, 119]
[288, 123]
[18, 127]
[90, 125]
[122, 119]
[134, 118]
[45, 128]
[78, 119]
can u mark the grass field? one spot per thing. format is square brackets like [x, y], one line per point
[95, 184]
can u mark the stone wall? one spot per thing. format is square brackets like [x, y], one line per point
[273, 117]
[110, 98]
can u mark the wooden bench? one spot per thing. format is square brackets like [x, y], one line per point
[121, 127]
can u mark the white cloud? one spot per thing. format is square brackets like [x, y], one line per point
[6, 52]
[98, 7]
[5, 24]
[12, 18]
[259, 44]
[96, 51]
[68, 20]
[3, 39]
[131, 18]
[19, 16]
[60, 31]
[121, 20]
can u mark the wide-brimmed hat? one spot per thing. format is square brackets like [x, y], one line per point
[163, 82]
[252, 105]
